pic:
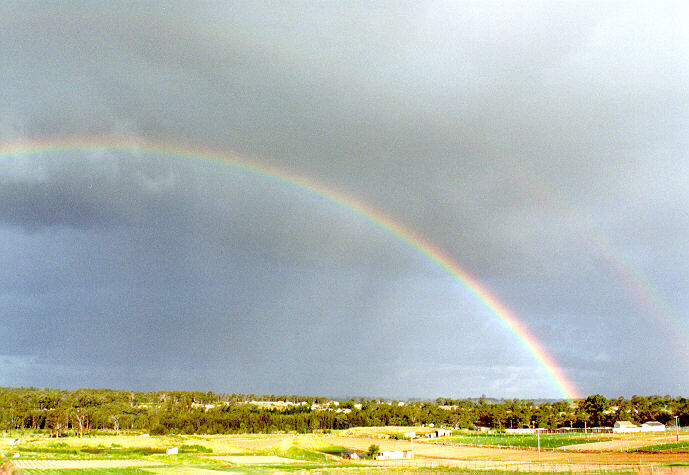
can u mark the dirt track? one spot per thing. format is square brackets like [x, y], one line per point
[255, 459]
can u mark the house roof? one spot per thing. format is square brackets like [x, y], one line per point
[653, 423]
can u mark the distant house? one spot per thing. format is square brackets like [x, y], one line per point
[409, 435]
[443, 433]
[394, 455]
[652, 426]
[352, 455]
[625, 426]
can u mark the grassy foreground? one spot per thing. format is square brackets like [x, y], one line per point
[195, 452]
[283, 452]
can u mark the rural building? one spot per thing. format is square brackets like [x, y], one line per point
[172, 451]
[443, 433]
[652, 426]
[394, 455]
[625, 426]
[409, 435]
[352, 455]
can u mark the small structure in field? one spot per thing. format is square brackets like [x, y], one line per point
[409, 435]
[652, 426]
[172, 451]
[352, 455]
[393, 455]
[625, 426]
[443, 433]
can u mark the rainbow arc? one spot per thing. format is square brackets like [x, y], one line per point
[309, 185]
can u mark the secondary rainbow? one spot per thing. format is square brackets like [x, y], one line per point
[356, 206]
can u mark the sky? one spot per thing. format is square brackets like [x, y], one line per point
[541, 147]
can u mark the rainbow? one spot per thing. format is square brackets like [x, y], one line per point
[615, 261]
[308, 185]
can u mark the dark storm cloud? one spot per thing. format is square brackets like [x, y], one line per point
[542, 146]
[165, 199]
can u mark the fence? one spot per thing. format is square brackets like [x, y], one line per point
[517, 466]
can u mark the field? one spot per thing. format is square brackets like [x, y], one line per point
[141, 454]
[546, 441]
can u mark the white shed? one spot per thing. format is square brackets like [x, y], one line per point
[652, 426]
[625, 426]
[394, 455]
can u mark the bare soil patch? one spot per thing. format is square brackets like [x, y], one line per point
[448, 454]
[624, 443]
[255, 459]
[263, 443]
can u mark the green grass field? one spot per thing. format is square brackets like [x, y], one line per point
[96, 471]
[311, 452]
[548, 441]
[222, 452]
[670, 446]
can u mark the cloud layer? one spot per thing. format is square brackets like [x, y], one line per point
[542, 147]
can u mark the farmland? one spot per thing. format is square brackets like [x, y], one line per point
[531, 440]
[141, 453]
[87, 431]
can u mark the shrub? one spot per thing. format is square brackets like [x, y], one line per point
[195, 448]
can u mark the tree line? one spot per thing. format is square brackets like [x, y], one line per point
[78, 412]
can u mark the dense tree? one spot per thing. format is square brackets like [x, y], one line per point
[594, 408]
[84, 410]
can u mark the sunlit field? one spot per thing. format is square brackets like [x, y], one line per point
[530, 440]
[38, 453]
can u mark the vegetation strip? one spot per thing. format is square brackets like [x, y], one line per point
[184, 412]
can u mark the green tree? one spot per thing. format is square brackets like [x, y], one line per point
[373, 449]
[594, 408]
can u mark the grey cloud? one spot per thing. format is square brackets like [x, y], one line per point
[537, 145]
